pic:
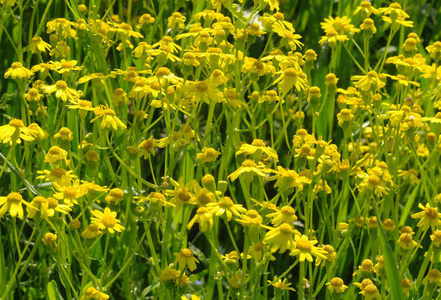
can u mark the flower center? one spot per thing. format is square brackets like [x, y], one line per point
[61, 85]
[184, 194]
[303, 245]
[202, 86]
[285, 229]
[58, 172]
[108, 220]
[431, 213]
[186, 253]
[14, 197]
[16, 123]
[70, 192]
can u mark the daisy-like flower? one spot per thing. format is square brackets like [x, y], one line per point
[305, 249]
[106, 220]
[249, 166]
[64, 134]
[257, 147]
[336, 286]
[184, 258]
[17, 71]
[62, 91]
[181, 194]
[55, 155]
[164, 76]
[203, 90]
[12, 203]
[83, 107]
[61, 27]
[286, 214]
[289, 36]
[38, 45]
[148, 147]
[204, 218]
[290, 78]
[371, 292]
[365, 9]
[287, 179]
[39, 204]
[57, 175]
[406, 241]
[66, 66]
[145, 19]
[208, 155]
[156, 200]
[226, 206]
[281, 285]
[125, 31]
[280, 238]
[410, 175]
[333, 37]
[109, 118]
[14, 132]
[430, 217]
[91, 232]
[368, 82]
[365, 269]
[115, 196]
[93, 294]
[68, 194]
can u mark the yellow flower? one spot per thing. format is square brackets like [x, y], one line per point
[62, 91]
[83, 106]
[39, 204]
[69, 193]
[57, 175]
[12, 203]
[226, 206]
[18, 71]
[61, 27]
[290, 78]
[430, 217]
[66, 66]
[406, 241]
[345, 116]
[305, 248]
[365, 9]
[203, 90]
[257, 148]
[185, 258]
[280, 238]
[285, 215]
[14, 132]
[208, 154]
[249, 166]
[148, 147]
[65, 134]
[91, 232]
[115, 196]
[281, 285]
[107, 220]
[287, 179]
[366, 268]
[204, 218]
[332, 37]
[289, 37]
[93, 294]
[55, 155]
[38, 45]
[109, 118]
[145, 19]
[371, 292]
[176, 21]
[336, 285]
[181, 194]
[49, 238]
[330, 254]
[410, 175]
[156, 200]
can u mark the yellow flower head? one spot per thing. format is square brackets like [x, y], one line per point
[17, 71]
[14, 132]
[38, 45]
[336, 285]
[280, 238]
[249, 166]
[12, 203]
[305, 248]
[106, 220]
[184, 258]
[204, 218]
[109, 118]
[430, 217]
[55, 155]
[62, 91]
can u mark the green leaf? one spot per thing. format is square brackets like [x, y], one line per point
[52, 291]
